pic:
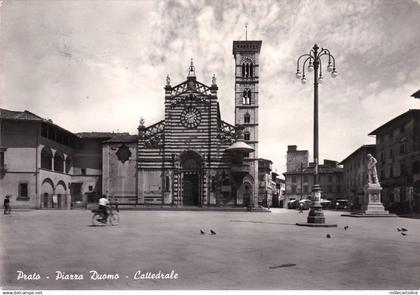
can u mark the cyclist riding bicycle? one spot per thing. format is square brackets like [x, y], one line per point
[103, 207]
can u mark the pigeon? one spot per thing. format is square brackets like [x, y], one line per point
[398, 229]
[202, 232]
[212, 232]
[404, 234]
[346, 227]
[328, 236]
[404, 229]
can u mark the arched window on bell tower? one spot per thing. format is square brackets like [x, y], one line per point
[246, 135]
[247, 118]
[247, 68]
[246, 98]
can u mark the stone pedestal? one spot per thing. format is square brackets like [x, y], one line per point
[372, 204]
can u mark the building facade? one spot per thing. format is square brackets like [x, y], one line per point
[44, 166]
[299, 179]
[355, 174]
[184, 160]
[398, 155]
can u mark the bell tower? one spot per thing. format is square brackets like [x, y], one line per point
[246, 54]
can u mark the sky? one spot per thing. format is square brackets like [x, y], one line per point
[101, 65]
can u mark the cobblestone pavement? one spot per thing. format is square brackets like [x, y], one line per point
[249, 251]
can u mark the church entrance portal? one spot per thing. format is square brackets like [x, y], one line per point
[191, 190]
[191, 178]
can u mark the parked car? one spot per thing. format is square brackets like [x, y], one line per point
[342, 204]
[306, 203]
[325, 203]
[293, 204]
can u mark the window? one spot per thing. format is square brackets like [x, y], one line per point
[305, 178]
[391, 172]
[306, 189]
[330, 178]
[44, 130]
[246, 136]
[90, 188]
[402, 148]
[294, 178]
[58, 162]
[391, 154]
[294, 189]
[83, 171]
[338, 188]
[382, 157]
[247, 70]
[23, 191]
[247, 118]
[46, 158]
[246, 97]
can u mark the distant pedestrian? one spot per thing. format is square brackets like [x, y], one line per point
[7, 208]
[300, 207]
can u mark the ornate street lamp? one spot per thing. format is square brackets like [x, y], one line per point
[312, 63]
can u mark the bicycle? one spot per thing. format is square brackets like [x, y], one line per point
[97, 218]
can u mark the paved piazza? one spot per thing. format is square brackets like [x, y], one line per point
[249, 251]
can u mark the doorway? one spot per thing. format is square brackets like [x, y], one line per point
[191, 189]
[191, 168]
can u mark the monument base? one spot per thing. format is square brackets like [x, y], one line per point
[373, 206]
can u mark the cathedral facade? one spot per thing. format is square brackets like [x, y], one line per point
[193, 157]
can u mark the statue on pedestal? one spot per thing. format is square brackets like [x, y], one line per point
[371, 170]
[372, 205]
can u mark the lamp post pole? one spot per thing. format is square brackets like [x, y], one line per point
[313, 58]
